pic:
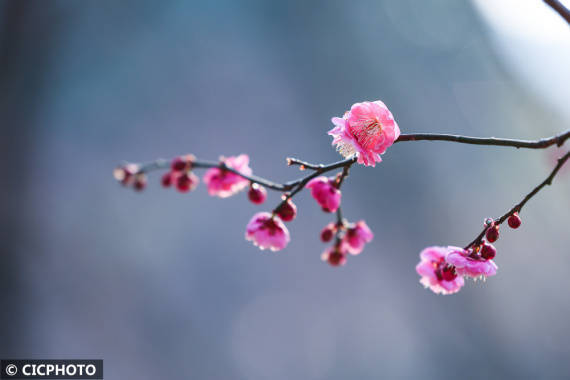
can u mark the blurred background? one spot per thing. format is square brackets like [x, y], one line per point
[163, 285]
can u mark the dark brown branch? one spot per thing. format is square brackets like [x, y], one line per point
[303, 164]
[343, 175]
[560, 9]
[165, 164]
[298, 184]
[518, 207]
[340, 223]
[339, 219]
[536, 144]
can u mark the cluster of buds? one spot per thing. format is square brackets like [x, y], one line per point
[180, 175]
[129, 175]
[349, 238]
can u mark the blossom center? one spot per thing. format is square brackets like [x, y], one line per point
[368, 132]
[270, 225]
[444, 271]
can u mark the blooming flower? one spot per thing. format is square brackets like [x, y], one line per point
[356, 236]
[267, 231]
[367, 130]
[223, 183]
[436, 274]
[470, 264]
[324, 191]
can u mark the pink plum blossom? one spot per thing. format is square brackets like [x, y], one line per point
[267, 231]
[325, 192]
[223, 183]
[469, 264]
[436, 274]
[357, 236]
[367, 130]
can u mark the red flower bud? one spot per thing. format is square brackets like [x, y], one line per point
[257, 193]
[328, 232]
[140, 182]
[182, 163]
[492, 234]
[514, 220]
[488, 252]
[287, 211]
[167, 178]
[186, 182]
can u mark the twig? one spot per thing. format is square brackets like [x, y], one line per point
[340, 224]
[519, 206]
[303, 164]
[560, 9]
[165, 164]
[536, 144]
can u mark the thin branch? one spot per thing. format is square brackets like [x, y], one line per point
[343, 175]
[298, 184]
[340, 224]
[339, 219]
[560, 9]
[518, 207]
[165, 164]
[531, 144]
[303, 164]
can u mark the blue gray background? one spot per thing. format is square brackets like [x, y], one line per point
[163, 285]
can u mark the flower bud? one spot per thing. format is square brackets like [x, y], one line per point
[287, 211]
[488, 252]
[140, 182]
[514, 220]
[257, 193]
[492, 234]
[328, 232]
[166, 179]
[186, 182]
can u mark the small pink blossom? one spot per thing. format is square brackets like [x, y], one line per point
[267, 231]
[367, 130]
[357, 236]
[325, 192]
[223, 183]
[471, 265]
[436, 274]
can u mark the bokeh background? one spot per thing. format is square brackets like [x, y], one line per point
[163, 285]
